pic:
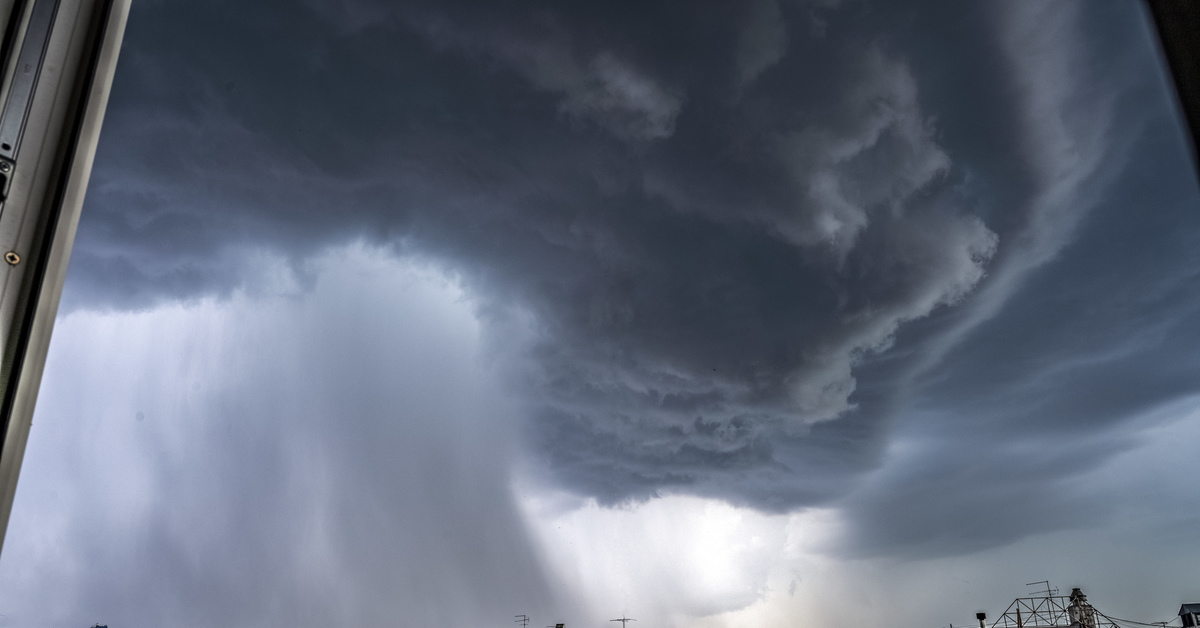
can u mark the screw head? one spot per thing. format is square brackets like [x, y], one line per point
[12, 258]
[5, 166]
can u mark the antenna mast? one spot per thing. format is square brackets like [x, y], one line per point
[1049, 592]
[624, 620]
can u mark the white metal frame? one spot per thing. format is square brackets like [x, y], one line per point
[45, 180]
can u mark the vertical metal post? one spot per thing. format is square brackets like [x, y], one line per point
[57, 68]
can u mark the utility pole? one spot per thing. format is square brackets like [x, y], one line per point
[57, 60]
[521, 619]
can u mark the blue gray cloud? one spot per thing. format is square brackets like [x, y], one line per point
[729, 252]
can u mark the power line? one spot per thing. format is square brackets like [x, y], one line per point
[1155, 624]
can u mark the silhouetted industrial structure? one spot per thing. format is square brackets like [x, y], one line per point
[1072, 611]
[1053, 611]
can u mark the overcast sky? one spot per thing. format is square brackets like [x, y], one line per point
[770, 312]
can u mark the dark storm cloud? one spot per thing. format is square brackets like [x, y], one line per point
[694, 232]
[1083, 363]
[1086, 355]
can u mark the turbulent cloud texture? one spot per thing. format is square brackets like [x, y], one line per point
[726, 252]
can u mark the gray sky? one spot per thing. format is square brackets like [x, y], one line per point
[773, 312]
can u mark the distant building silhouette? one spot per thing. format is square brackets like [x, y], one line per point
[1190, 614]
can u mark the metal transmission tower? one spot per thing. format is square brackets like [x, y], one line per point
[1053, 611]
[56, 66]
[624, 620]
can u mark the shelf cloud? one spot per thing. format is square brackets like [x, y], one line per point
[782, 254]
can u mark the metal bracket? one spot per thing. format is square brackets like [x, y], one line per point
[20, 95]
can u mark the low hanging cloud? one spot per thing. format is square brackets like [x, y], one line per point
[685, 240]
[675, 365]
